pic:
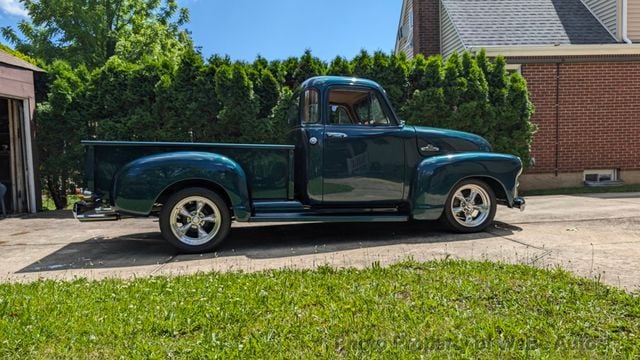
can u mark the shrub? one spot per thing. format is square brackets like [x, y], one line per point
[474, 94]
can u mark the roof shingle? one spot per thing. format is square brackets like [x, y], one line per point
[525, 22]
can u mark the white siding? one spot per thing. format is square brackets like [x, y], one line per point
[633, 16]
[606, 11]
[449, 39]
[404, 40]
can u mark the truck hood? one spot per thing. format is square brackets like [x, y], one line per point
[434, 141]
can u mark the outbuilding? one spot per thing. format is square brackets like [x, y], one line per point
[18, 164]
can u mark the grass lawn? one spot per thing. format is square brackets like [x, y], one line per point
[584, 190]
[453, 309]
[49, 205]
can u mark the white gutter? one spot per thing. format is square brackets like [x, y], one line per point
[624, 22]
[559, 50]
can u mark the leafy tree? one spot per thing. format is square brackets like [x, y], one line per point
[91, 31]
[62, 121]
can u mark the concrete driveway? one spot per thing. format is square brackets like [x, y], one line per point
[595, 236]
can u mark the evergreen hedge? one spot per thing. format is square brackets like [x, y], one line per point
[219, 100]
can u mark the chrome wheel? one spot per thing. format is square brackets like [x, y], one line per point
[195, 220]
[470, 205]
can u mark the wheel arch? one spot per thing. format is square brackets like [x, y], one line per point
[144, 182]
[195, 183]
[495, 185]
[437, 176]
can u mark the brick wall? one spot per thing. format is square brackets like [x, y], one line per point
[599, 115]
[426, 27]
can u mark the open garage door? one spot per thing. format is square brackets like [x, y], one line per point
[15, 156]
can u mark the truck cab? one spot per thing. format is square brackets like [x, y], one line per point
[349, 159]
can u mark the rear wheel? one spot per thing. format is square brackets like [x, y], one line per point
[195, 220]
[470, 207]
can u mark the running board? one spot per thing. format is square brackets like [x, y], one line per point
[301, 217]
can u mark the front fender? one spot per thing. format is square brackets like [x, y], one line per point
[139, 183]
[436, 176]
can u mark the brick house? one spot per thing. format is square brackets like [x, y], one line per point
[582, 66]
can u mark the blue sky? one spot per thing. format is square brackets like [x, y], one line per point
[277, 29]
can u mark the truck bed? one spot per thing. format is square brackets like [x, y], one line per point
[269, 168]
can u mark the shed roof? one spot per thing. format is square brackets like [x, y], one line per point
[525, 22]
[8, 59]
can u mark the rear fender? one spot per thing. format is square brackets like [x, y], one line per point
[138, 184]
[436, 176]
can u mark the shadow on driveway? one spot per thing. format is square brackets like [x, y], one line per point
[257, 242]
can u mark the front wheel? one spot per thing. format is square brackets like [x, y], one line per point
[470, 207]
[195, 220]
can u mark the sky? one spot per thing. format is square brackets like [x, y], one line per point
[277, 29]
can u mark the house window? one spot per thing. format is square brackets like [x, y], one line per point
[514, 68]
[600, 176]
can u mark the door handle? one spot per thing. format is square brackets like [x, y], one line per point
[336, 135]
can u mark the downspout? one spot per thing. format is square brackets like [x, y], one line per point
[624, 22]
[557, 117]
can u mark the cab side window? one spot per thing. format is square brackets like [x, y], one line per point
[310, 107]
[357, 107]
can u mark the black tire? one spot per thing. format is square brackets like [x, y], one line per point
[213, 219]
[475, 214]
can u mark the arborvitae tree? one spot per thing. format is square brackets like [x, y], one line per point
[427, 104]
[498, 81]
[260, 63]
[309, 66]
[267, 90]
[217, 61]
[289, 67]
[513, 130]
[417, 73]
[454, 83]
[472, 113]
[238, 119]
[475, 95]
[280, 116]
[278, 71]
[362, 65]
[340, 67]
[391, 73]
[188, 106]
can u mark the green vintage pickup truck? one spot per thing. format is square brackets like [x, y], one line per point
[350, 159]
